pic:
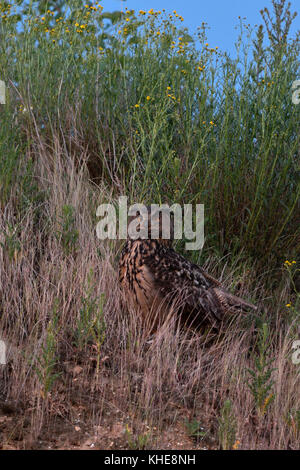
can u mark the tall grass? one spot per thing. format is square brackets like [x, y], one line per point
[165, 117]
[98, 106]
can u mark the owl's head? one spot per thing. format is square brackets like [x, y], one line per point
[151, 223]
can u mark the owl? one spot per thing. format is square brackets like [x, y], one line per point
[158, 282]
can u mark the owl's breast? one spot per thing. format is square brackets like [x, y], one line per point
[137, 281]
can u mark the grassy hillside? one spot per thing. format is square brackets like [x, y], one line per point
[106, 104]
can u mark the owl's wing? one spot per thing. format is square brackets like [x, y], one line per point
[200, 293]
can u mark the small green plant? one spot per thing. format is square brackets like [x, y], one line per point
[138, 442]
[91, 325]
[227, 427]
[194, 429]
[67, 234]
[11, 242]
[260, 382]
[48, 360]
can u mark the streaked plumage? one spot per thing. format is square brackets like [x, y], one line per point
[153, 276]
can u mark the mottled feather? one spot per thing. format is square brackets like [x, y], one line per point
[153, 276]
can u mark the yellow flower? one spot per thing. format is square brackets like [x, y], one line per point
[127, 19]
[236, 445]
[76, 24]
[168, 88]
[288, 305]
[266, 402]
[148, 98]
[136, 105]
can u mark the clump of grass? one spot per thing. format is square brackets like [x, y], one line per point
[47, 361]
[227, 426]
[137, 441]
[260, 382]
[11, 243]
[67, 234]
[91, 326]
[194, 429]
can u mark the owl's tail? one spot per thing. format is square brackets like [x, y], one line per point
[229, 300]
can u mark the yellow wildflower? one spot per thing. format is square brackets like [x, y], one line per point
[236, 445]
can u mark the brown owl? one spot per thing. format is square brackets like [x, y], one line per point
[156, 280]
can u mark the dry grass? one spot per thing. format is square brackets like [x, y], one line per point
[70, 382]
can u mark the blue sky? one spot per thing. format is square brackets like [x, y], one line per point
[221, 15]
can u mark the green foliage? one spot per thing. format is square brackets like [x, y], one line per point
[91, 325]
[260, 382]
[11, 244]
[47, 362]
[194, 429]
[137, 442]
[67, 234]
[227, 426]
[163, 115]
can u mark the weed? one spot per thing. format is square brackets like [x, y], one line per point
[227, 426]
[67, 234]
[260, 382]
